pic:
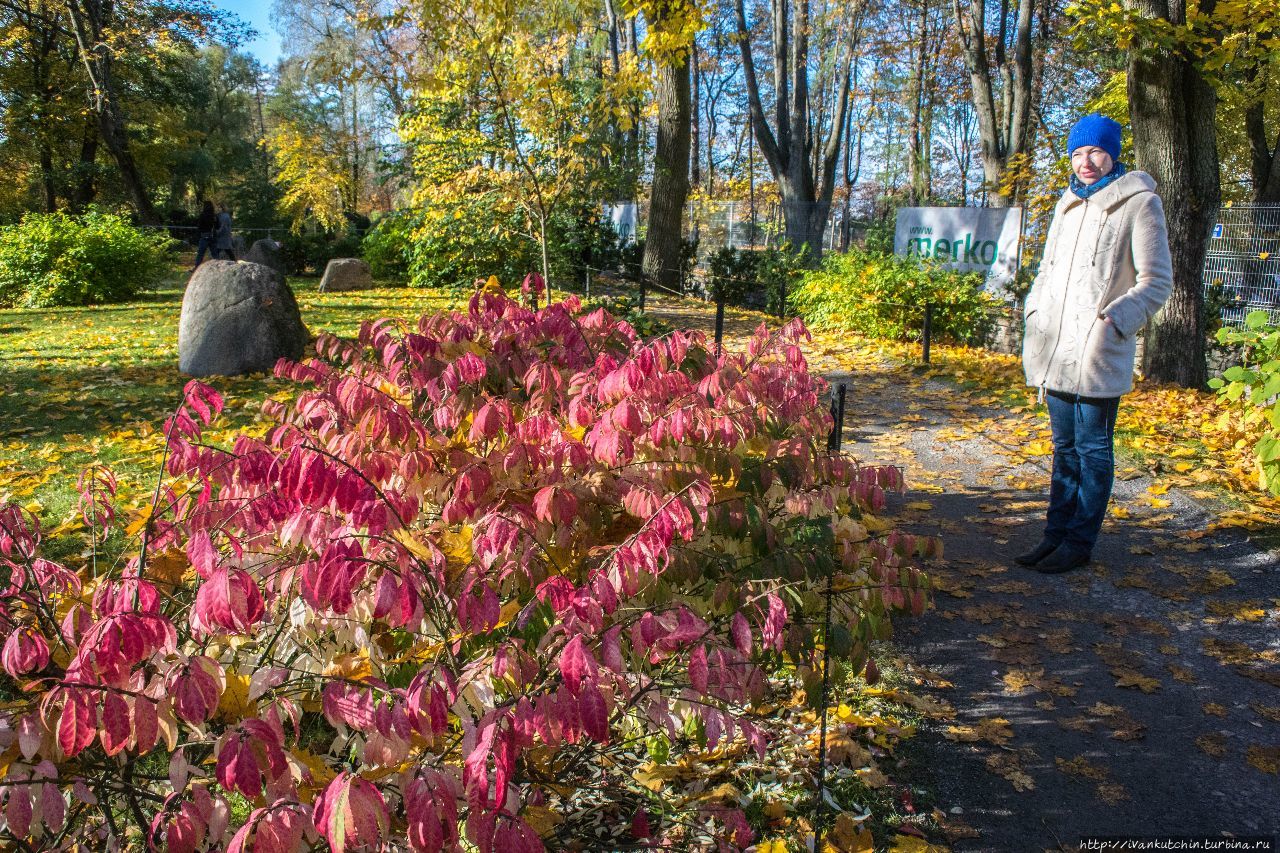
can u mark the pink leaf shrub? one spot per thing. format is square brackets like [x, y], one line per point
[465, 567]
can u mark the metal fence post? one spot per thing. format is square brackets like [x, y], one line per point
[719, 320]
[586, 284]
[928, 329]
[821, 826]
[835, 440]
[642, 291]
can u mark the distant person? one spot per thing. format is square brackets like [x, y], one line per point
[1106, 271]
[206, 225]
[224, 234]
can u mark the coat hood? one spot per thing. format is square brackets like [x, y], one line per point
[1129, 184]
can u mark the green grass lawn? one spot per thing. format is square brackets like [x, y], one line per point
[96, 383]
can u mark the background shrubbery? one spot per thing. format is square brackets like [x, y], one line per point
[755, 278]
[428, 249]
[52, 259]
[303, 252]
[884, 296]
[1253, 388]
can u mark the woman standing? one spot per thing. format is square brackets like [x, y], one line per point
[224, 234]
[1106, 271]
[206, 225]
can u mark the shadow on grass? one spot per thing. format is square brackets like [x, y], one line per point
[92, 401]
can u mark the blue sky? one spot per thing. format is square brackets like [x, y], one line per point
[257, 14]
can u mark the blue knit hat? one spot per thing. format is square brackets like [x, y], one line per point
[1097, 130]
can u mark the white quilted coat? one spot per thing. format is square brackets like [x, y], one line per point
[1105, 256]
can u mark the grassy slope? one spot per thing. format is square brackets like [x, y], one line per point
[96, 383]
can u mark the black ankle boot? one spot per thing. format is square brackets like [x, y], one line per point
[1035, 555]
[1063, 559]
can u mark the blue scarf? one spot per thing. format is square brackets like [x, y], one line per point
[1085, 190]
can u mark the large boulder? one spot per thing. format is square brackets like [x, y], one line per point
[267, 252]
[238, 246]
[346, 274]
[237, 318]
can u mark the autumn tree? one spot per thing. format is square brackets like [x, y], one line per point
[1182, 57]
[517, 114]
[1001, 83]
[81, 79]
[802, 146]
[672, 25]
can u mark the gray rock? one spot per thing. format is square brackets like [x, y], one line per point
[238, 246]
[346, 274]
[237, 318]
[267, 253]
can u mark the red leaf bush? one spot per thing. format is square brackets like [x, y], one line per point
[463, 578]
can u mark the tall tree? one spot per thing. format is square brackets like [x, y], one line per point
[515, 117]
[672, 27]
[1261, 79]
[925, 28]
[1003, 110]
[98, 32]
[1172, 107]
[802, 148]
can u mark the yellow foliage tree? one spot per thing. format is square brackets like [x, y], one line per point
[312, 174]
[518, 110]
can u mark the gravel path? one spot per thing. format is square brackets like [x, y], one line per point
[1141, 693]
[1137, 696]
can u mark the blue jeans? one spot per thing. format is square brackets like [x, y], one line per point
[1083, 468]
[205, 245]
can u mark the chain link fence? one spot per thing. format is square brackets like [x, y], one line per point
[1242, 266]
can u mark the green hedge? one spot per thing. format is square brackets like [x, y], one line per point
[755, 278]
[883, 296]
[51, 259]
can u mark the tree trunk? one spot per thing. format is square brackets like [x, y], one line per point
[111, 126]
[90, 22]
[670, 175]
[46, 177]
[805, 176]
[695, 119]
[916, 155]
[86, 169]
[1003, 128]
[1172, 109]
[1264, 159]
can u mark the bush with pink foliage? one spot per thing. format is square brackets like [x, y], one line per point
[449, 596]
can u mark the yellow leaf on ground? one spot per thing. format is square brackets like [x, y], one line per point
[1270, 712]
[994, 729]
[911, 844]
[1039, 447]
[1264, 758]
[1130, 678]
[353, 666]
[1081, 766]
[169, 566]
[1112, 792]
[140, 522]
[849, 836]
[655, 776]
[1214, 745]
